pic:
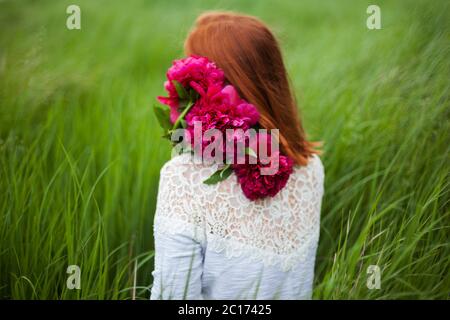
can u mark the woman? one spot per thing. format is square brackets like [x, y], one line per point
[211, 242]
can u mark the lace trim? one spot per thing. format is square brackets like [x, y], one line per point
[232, 248]
[276, 231]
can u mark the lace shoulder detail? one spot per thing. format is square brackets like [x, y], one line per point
[277, 231]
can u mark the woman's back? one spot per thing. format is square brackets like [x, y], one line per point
[212, 242]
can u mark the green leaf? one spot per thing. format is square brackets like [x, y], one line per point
[182, 93]
[193, 95]
[219, 175]
[163, 116]
[182, 115]
[182, 104]
[250, 152]
[167, 135]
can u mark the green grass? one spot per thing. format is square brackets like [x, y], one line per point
[80, 152]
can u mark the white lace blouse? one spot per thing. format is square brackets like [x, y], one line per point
[211, 242]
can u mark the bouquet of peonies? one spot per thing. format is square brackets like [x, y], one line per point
[198, 94]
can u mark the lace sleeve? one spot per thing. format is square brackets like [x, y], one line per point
[181, 198]
[178, 254]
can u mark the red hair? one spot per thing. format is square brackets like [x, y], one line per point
[249, 54]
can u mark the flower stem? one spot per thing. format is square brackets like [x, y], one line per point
[182, 115]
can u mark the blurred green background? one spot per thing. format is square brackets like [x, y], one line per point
[80, 152]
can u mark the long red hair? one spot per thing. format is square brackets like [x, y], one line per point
[249, 54]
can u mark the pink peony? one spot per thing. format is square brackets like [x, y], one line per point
[221, 108]
[253, 183]
[256, 186]
[195, 72]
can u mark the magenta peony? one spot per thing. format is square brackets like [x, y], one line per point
[195, 72]
[256, 185]
[222, 109]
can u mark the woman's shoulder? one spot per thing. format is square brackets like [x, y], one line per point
[317, 166]
[185, 162]
[182, 174]
[314, 169]
[184, 171]
[175, 163]
[186, 168]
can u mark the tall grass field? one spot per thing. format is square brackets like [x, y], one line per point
[80, 148]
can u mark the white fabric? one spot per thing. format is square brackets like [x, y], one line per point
[211, 242]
